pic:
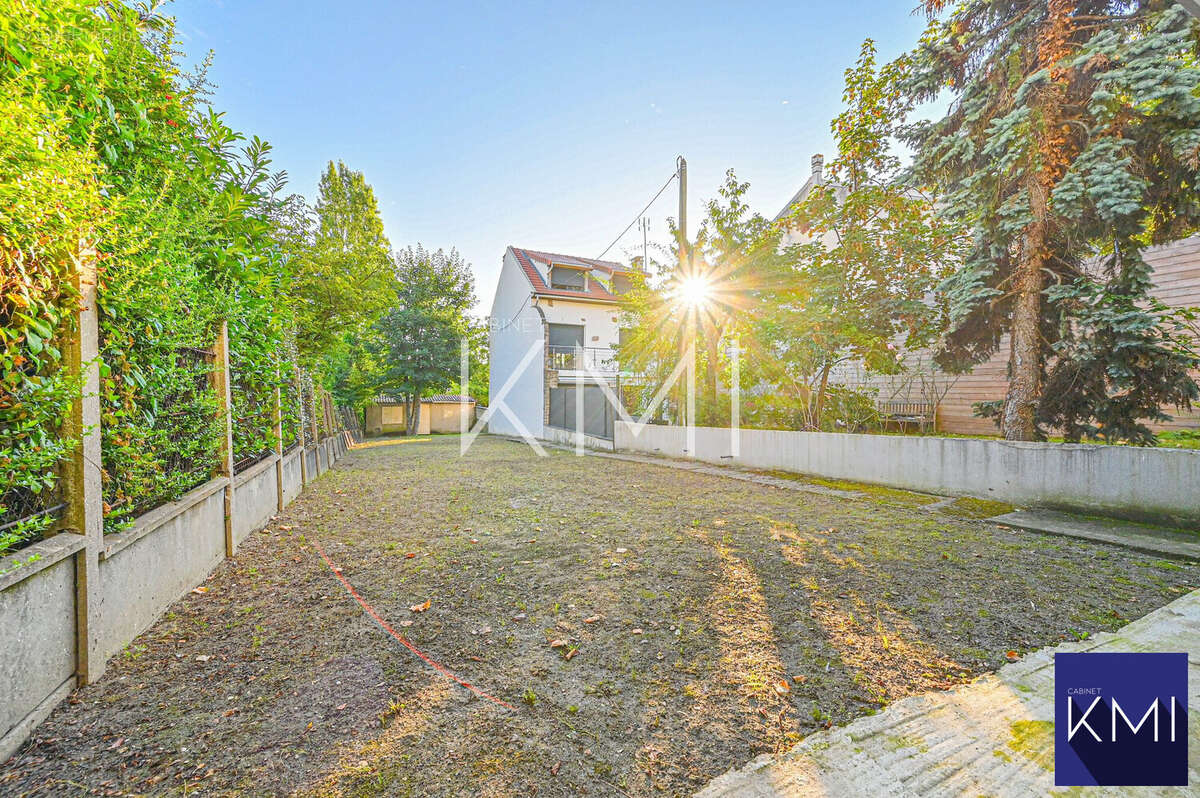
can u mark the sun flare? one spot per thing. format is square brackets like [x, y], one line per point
[694, 292]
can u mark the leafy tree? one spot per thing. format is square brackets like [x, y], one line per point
[415, 346]
[341, 270]
[700, 298]
[861, 283]
[1071, 144]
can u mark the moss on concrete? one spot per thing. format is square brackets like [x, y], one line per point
[1034, 740]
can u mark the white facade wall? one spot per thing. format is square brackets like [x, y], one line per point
[600, 321]
[518, 323]
[516, 326]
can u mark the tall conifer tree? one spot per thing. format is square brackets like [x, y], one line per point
[1071, 144]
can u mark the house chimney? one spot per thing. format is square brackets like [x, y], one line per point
[818, 163]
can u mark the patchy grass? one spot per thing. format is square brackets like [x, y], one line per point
[969, 507]
[707, 620]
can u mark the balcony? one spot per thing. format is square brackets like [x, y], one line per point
[602, 360]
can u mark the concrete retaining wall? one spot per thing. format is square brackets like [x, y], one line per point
[292, 482]
[1154, 485]
[256, 497]
[567, 437]
[166, 553]
[142, 571]
[37, 597]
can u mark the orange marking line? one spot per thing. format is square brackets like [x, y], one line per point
[388, 628]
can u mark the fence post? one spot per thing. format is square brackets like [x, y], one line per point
[316, 430]
[300, 427]
[81, 481]
[224, 391]
[278, 419]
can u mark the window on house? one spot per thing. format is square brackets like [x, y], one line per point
[568, 335]
[567, 278]
[621, 284]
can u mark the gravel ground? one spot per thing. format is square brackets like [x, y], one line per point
[650, 628]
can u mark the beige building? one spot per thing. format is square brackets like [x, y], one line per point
[440, 413]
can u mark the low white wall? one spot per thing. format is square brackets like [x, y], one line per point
[568, 438]
[255, 498]
[165, 554]
[1157, 485]
[292, 482]
[142, 571]
[37, 636]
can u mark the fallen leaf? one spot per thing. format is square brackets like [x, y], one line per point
[800, 679]
[340, 707]
[636, 632]
[571, 653]
[229, 712]
[554, 768]
[200, 590]
[557, 643]
[622, 551]
[592, 619]
[285, 528]
[782, 687]
[1012, 656]
[474, 540]
[406, 623]
[420, 607]
[203, 657]
[410, 555]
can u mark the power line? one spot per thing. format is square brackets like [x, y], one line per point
[639, 215]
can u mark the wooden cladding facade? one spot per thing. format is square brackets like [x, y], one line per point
[1176, 282]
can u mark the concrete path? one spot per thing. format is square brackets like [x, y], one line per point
[1153, 540]
[993, 737]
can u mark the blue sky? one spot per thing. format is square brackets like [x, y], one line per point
[544, 125]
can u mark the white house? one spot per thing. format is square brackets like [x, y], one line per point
[550, 311]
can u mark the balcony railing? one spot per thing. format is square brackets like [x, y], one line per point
[570, 358]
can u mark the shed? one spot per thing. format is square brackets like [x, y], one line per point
[439, 413]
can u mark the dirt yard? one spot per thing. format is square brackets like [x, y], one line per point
[650, 627]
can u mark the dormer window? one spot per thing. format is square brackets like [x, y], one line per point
[567, 278]
[621, 284]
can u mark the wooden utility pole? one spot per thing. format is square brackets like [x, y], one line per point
[224, 392]
[681, 171]
[300, 426]
[684, 398]
[82, 485]
[277, 417]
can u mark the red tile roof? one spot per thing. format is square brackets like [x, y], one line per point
[595, 290]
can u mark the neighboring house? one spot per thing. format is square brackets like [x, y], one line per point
[550, 311]
[440, 413]
[951, 398]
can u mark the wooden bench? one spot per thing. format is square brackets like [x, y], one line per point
[904, 412]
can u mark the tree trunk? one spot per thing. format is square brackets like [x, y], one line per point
[1055, 151]
[1025, 353]
[819, 406]
[413, 413]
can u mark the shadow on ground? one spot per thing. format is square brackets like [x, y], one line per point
[699, 621]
